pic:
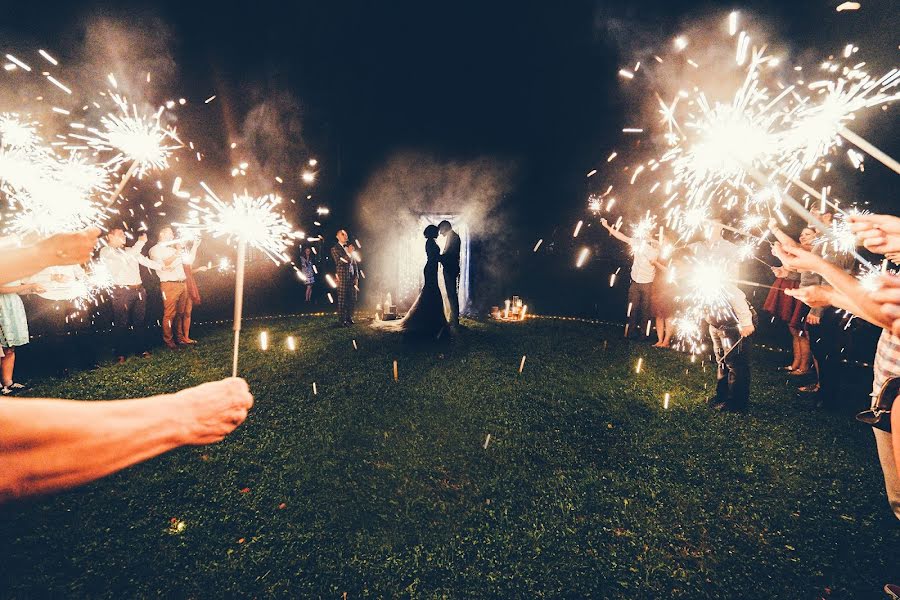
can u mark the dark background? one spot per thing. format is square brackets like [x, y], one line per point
[533, 83]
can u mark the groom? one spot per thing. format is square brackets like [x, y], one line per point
[450, 261]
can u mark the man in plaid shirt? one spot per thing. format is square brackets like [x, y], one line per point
[346, 264]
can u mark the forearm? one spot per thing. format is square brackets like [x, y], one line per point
[618, 235]
[854, 295]
[19, 263]
[49, 445]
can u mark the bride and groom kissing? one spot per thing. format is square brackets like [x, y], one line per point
[426, 316]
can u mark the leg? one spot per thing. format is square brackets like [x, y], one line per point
[180, 311]
[634, 306]
[719, 350]
[451, 283]
[350, 303]
[739, 375]
[646, 314]
[830, 349]
[341, 298]
[660, 331]
[138, 317]
[308, 293]
[7, 366]
[121, 313]
[670, 329]
[889, 467]
[170, 295]
[185, 331]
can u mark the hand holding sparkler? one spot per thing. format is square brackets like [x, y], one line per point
[814, 296]
[747, 331]
[878, 233]
[783, 238]
[795, 257]
[69, 248]
[888, 297]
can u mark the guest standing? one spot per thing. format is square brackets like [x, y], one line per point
[171, 283]
[128, 296]
[308, 271]
[730, 332]
[642, 274]
[346, 264]
[192, 293]
[662, 303]
[450, 262]
[13, 330]
[790, 311]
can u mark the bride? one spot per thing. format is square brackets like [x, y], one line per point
[426, 316]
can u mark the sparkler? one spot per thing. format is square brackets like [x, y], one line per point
[249, 220]
[137, 138]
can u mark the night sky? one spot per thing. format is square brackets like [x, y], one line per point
[533, 83]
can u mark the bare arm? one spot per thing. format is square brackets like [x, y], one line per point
[25, 288]
[615, 232]
[50, 445]
[61, 249]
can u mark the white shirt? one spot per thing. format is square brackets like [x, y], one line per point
[163, 252]
[123, 264]
[61, 283]
[642, 270]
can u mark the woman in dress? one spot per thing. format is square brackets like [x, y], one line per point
[13, 330]
[662, 303]
[426, 316]
[790, 311]
[309, 274]
[183, 332]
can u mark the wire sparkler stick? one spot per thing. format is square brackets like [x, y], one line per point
[123, 182]
[870, 149]
[815, 194]
[804, 213]
[238, 300]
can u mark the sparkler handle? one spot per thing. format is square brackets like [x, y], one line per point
[238, 300]
[123, 182]
[871, 150]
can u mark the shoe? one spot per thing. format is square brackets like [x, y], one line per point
[188, 341]
[788, 368]
[798, 372]
[809, 389]
[5, 390]
[16, 386]
[120, 360]
[719, 406]
[146, 354]
[171, 345]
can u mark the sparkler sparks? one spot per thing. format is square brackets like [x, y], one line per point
[138, 138]
[253, 219]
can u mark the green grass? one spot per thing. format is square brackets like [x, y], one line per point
[588, 488]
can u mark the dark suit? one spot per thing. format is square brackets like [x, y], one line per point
[450, 261]
[347, 276]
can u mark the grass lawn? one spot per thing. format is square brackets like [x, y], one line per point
[588, 487]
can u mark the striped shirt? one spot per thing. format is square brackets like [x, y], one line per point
[887, 361]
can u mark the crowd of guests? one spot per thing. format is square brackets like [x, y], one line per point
[815, 295]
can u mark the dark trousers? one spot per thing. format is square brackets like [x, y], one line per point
[346, 301]
[451, 284]
[826, 341]
[129, 307]
[67, 340]
[733, 372]
[639, 300]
